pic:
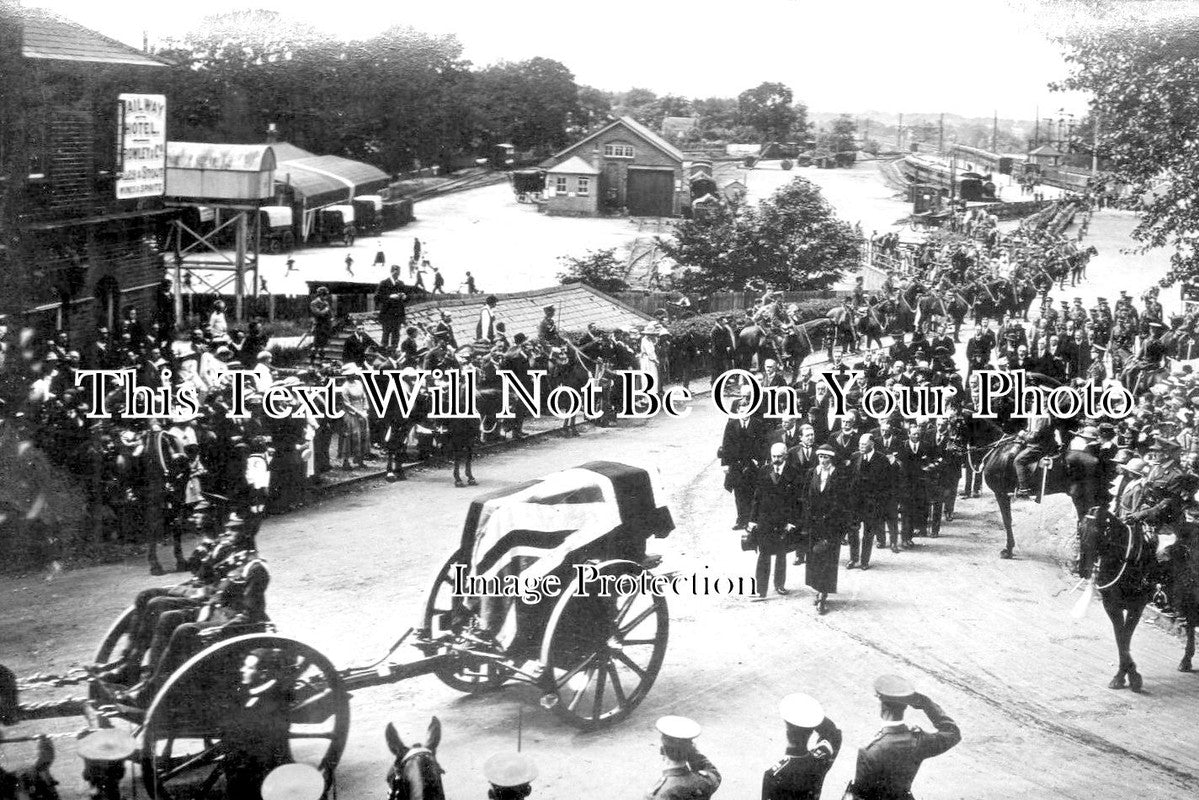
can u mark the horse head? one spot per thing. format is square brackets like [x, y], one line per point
[1116, 555]
[34, 782]
[415, 775]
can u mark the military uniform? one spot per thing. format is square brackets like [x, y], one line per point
[888, 765]
[698, 779]
[800, 774]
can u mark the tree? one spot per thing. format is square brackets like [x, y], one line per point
[842, 135]
[792, 240]
[594, 106]
[767, 109]
[715, 112]
[1142, 79]
[599, 269]
[528, 103]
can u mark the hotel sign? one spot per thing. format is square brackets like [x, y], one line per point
[142, 145]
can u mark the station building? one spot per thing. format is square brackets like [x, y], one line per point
[82, 173]
[622, 165]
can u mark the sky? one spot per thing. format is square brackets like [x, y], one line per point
[970, 57]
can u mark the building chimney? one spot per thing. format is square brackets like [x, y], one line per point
[272, 133]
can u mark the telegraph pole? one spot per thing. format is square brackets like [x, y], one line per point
[941, 135]
[899, 134]
[1095, 144]
[995, 133]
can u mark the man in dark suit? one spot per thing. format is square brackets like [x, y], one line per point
[980, 347]
[888, 765]
[724, 342]
[355, 349]
[824, 520]
[389, 300]
[913, 458]
[802, 455]
[773, 516]
[742, 451]
[788, 433]
[870, 480]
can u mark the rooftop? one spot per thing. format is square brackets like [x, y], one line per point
[48, 36]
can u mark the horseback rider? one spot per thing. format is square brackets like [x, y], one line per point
[1040, 439]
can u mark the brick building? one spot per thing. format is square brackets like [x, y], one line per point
[637, 170]
[77, 228]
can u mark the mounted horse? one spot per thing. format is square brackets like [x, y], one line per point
[755, 344]
[956, 309]
[844, 322]
[1075, 473]
[872, 325]
[415, 775]
[1121, 562]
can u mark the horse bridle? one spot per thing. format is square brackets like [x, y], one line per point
[417, 751]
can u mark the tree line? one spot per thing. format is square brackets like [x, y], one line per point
[404, 98]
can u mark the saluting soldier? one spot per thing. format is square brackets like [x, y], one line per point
[511, 776]
[688, 774]
[888, 765]
[813, 742]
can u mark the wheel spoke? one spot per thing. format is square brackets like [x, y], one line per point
[636, 642]
[628, 662]
[620, 615]
[640, 618]
[198, 760]
[617, 688]
[579, 694]
[597, 706]
[561, 682]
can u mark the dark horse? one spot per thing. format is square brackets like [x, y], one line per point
[1121, 561]
[789, 345]
[1075, 472]
[415, 775]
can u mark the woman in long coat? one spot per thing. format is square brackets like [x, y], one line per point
[823, 522]
[648, 357]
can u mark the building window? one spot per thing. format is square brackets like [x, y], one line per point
[560, 184]
[618, 150]
[584, 187]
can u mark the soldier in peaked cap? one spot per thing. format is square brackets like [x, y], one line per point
[888, 765]
[813, 742]
[688, 774]
[511, 776]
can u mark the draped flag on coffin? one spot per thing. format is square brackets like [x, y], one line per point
[609, 505]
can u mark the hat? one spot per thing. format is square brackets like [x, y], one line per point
[109, 744]
[1136, 466]
[293, 782]
[548, 309]
[893, 687]
[1156, 324]
[511, 769]
[350, 369]
[678, 727]
[1122, 456]
[1090, 433]
[322, 290]
[825, 450]
[801, 710]
[286, 383]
